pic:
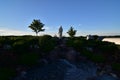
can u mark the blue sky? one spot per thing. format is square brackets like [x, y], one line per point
[101, 17]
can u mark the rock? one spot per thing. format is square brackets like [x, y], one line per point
[106, 77]
[81, 72]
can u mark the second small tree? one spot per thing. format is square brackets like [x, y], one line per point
[71, 32]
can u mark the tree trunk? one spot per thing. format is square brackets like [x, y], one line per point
[36, 34]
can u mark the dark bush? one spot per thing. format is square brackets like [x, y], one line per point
[23, 45]
[7, 59]
[46, 43]
[20, 46]
[6, 73]
[29, 59]
[116, 66]
[97, 58]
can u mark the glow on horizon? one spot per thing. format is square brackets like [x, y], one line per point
[114, 40]
[7, 32]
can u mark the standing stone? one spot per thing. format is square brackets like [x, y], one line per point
[60, 32]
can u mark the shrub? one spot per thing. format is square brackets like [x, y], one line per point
[5, 41]
[92, 56]
[87, 53]
[29, 59]
[6, 73]
[97, 58]
[21, 46]
[116, 66]
[7, 59]
[46, 43]
[77, 43]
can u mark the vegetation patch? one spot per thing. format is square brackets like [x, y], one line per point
[116, 66]
[6, 73]
[29, 59]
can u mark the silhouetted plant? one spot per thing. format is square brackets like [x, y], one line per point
[29, 59]
[78, 44]
[6, 73]
[97, 58]
[37, 26]
[71, 32]
[95, 37]
[46, 43]
[21, 46]
[116, 66]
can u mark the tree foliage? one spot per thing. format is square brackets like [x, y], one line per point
[71, 32]
[37, 26]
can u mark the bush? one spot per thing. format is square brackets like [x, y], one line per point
[21, 46]
[97, 58]
[93, 56]
[76, 43]
[29, 59]
[116, 66]
[46, 43]
[6, 73]
[5, 41]
[70, 42]
[111, 48]
[118, 47]
[87, 53]
[7, 59]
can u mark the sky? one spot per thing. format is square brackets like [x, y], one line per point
[95, 17]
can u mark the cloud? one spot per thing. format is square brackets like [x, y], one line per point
[1, 30]
[5, 32]
[14, 32]
[79, 25]
[46, 28]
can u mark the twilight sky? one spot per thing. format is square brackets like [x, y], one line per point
[101, 17]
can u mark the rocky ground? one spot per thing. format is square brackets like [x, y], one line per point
[64, 69]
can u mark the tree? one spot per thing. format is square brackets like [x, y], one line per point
[71, 32]
[37, 26]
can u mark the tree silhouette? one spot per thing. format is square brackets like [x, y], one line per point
[37, 26]
[71, 32]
